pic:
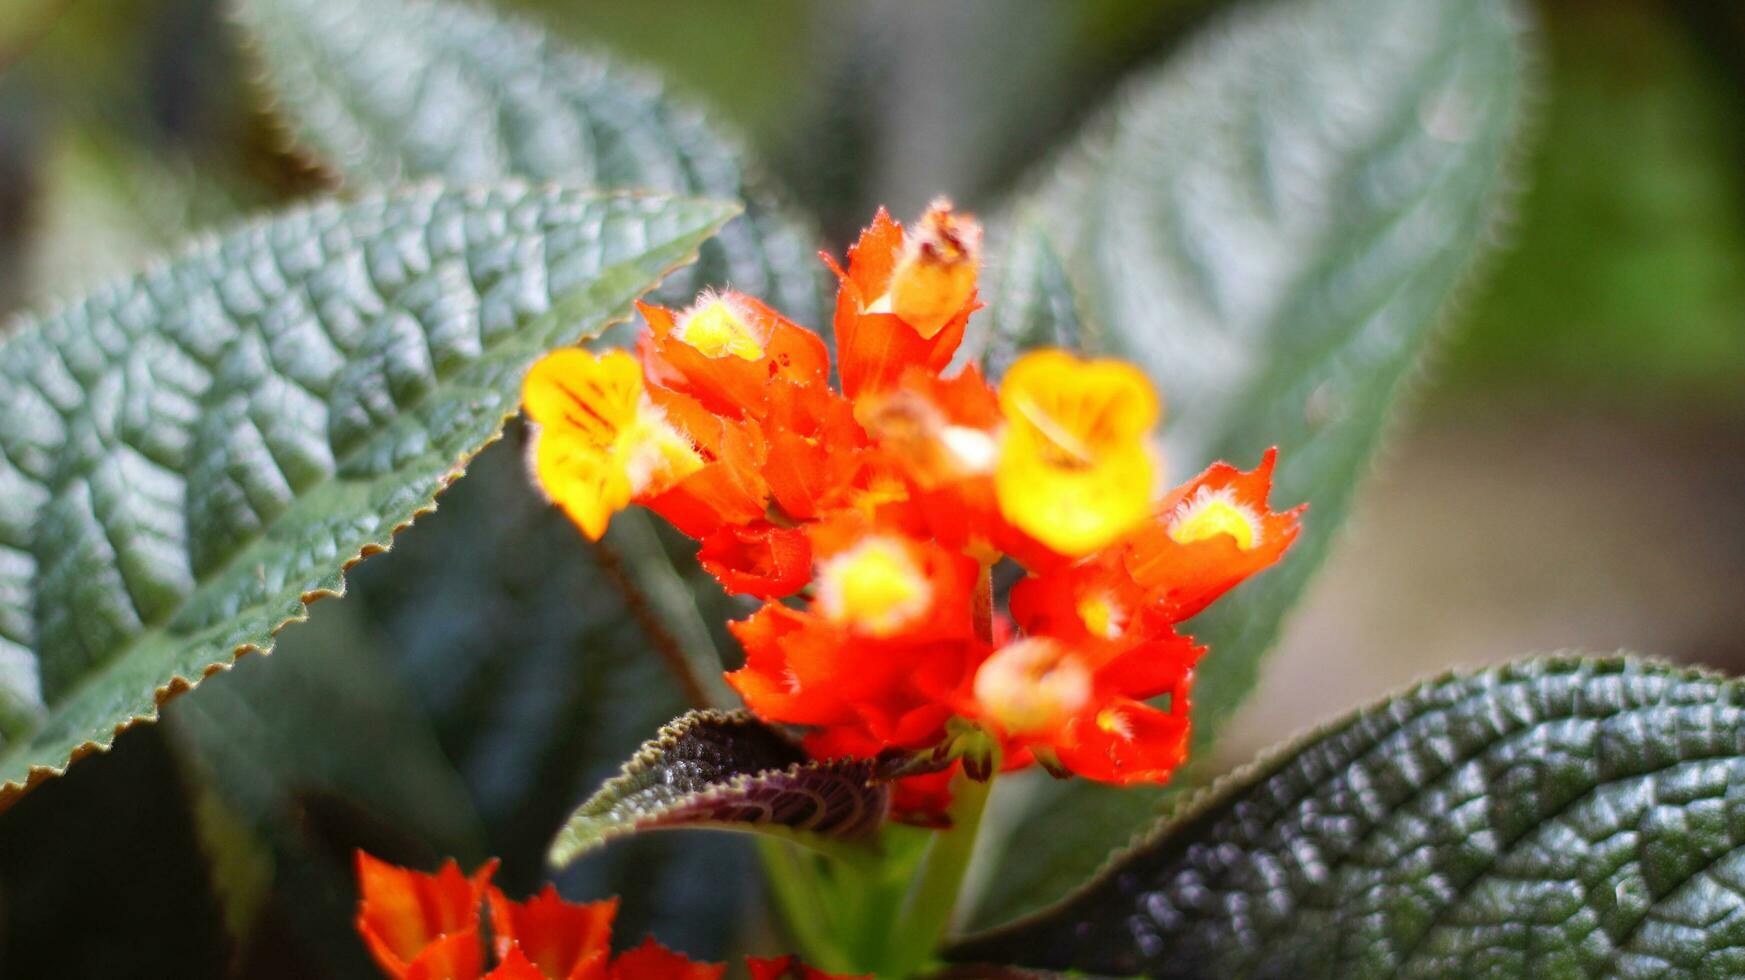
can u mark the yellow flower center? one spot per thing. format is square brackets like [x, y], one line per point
[600, 440]
[874, 586]
[1101, 616]
[1033, 685]
[1075, 468]
[1115, 723]
[1209, 513]
[717, 330]
[936, 274]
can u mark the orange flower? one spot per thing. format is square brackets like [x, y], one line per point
[888, 631]
[905, 298]
[563, 940]
[1059, 699]
[426, 927]
[421, 926]
[727, 350]
[516, 966]
[870, 519]
[1209, 535]
[760, 559]
[652, 961]
[1126, 742]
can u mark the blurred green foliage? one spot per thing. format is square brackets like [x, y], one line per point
[1627, 277]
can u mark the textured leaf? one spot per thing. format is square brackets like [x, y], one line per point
[1031, 302]
[190, 456]
[390, 89]
[728, 771]
[1551, 818]
[1272, 226]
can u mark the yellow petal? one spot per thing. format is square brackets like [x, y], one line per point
[581, 479]
[1076, 469]
[718, 330]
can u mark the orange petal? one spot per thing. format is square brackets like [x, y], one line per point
[458, 956]
[874, 348]
[513, 965]
[1185, 572]
[402, 913]
[1125, 742]
[566, 940]
[652, 961]
[730, 371]
[762, 560]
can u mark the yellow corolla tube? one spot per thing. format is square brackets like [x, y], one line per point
[599, 442]
[1076, 468]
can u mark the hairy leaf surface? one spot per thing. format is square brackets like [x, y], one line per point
[1272, 226]
[728, 771]
[387, 90]
[1552, 818]
[191, 455]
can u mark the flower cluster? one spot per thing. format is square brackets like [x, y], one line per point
[869, 517]
[427, 927]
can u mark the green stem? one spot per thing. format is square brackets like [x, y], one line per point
[793, 880]
[927, 909]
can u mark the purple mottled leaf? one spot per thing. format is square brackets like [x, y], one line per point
[729, 771]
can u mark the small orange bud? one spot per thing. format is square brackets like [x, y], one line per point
[1033, 685]
[936, 273]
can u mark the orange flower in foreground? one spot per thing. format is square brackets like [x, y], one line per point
[426, 927]
[421, 926]
[905, 297]
[564, 940]
[870, 519]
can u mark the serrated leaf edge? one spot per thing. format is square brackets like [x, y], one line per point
[11, 791]
[610, 827]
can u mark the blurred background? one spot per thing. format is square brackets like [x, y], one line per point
[1568, 474]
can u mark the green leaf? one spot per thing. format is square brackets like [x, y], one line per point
[1272, 226]
[1552, 818]
[536, 679]
[729, 771]
[1029, 304]
[192, 455]
[386, 90]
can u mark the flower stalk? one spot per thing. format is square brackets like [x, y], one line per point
[927, 911]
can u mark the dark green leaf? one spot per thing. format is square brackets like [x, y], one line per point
[729, 771]
[386, 90]
[192, 455]
[280, 813]
[1559, 817]
[1272, 226]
